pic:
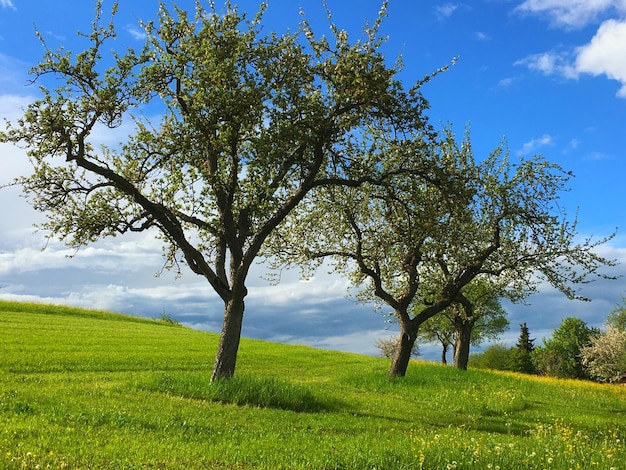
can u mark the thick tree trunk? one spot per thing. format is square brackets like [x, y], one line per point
[462, 344]
[401, 360]
[226, 357]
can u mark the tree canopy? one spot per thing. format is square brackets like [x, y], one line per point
[441, 219]
[250, 122]
[560, 355]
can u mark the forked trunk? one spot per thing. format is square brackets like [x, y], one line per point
[226, 357]
[462, 344]
[401, 360]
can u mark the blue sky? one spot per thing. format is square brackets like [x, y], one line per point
[549, 75]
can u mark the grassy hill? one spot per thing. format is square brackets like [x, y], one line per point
[84, 389]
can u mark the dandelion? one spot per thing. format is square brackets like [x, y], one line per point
[550, 459]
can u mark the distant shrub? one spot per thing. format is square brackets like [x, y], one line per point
[388, 347]
[497, 357]
[167, 319]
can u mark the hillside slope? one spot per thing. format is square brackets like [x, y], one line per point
[84, 389]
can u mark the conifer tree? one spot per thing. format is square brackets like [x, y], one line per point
[521, 359]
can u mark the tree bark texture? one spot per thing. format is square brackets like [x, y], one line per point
[462, 344]
[226, 357]
[401, 361]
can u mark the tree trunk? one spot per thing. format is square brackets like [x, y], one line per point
[462, 344]
[401, 361]
[444, 352]
[226, 357]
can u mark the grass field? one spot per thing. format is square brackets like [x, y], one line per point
[95, 390]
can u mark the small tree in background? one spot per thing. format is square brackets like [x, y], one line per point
[521, 355]
[389, 347]
[438, 329]
[477, 316]
[604, 359]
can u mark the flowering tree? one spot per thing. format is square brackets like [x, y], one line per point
[441, 220]
[604, 358]
[250, 123]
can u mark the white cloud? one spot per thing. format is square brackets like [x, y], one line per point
[137, 34]
[571, 146]
[550, 63]
[535, 144]
[572, 13]
[7, 4]
[507, 82]
[606, 54]
[446, 10]
[481, 36]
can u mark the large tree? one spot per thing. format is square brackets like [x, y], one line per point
[250, 123]
[448, 216]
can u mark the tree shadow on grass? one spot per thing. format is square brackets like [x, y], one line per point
[248, 391]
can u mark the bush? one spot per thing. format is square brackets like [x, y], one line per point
[497, 357]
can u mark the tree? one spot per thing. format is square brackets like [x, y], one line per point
[521, 354]
[438, 329]
[560, 356]
[250, 124]
[478, 318]
[388, 347]
[445, 218]
[604, 358]
[617, 316]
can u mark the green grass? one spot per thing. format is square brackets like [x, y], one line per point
[95, 390]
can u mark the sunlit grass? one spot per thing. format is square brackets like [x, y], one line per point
[95, 390]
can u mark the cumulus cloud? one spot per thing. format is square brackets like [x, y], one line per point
[550, 63]
[535, 144]
[7, 4]
[606, 54]
[572, 13]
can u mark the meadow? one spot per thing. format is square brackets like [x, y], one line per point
[95, 390]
